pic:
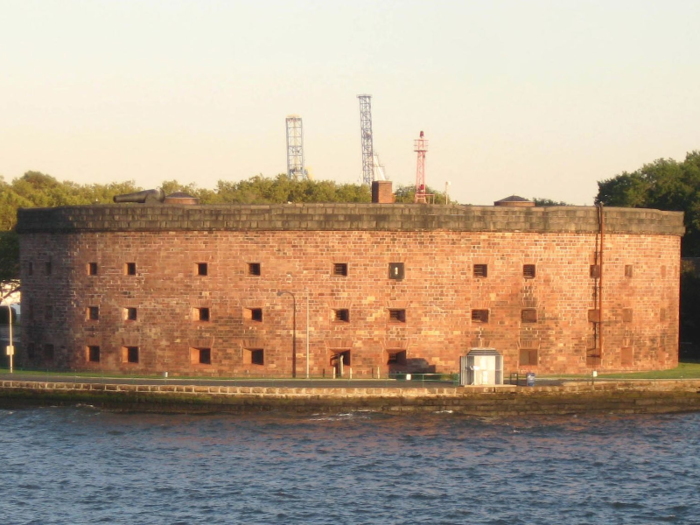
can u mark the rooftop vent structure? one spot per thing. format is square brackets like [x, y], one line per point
[514, 202]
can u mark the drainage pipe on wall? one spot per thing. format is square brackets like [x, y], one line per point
[601, 224]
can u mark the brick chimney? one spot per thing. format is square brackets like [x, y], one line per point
[382, 192]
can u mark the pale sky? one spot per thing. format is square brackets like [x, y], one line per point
[534, 98]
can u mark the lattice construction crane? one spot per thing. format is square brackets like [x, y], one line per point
[366, 138]
[295, 148]
[420, 147]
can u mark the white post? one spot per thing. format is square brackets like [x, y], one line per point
[446, 186]
[11, 348]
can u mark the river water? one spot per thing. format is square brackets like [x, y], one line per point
[83, 465]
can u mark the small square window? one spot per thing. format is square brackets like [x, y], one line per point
[397, 315]
[396, 357]
[130, 354]
[256, 314]
[93, 354]
[200, 356]
[130, 268]
[480, 316]
[593, 316]
[253, 356]
[92, 268]
[595, 271]
[528, 315]
[481, 270]
[93, 313]
[130, 314]
[48, 268]
[528, 357]
[529, 271]
[343, 355]
[253, 268]
[629, 270]
[202, 269]
[48, 352]
[340, 269]
[396, 271]
[341, 315]
[201, 314]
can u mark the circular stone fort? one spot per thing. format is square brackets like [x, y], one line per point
[361, 290]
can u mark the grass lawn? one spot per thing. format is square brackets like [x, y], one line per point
[685, 370]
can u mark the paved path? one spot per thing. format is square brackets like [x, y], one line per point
[276, 383]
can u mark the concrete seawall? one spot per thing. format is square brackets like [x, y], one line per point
[569, 398]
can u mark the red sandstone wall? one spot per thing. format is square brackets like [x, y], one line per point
[438, 292]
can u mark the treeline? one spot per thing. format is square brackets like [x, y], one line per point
[36, 189]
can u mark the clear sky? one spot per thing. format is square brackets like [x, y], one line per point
[538, 98]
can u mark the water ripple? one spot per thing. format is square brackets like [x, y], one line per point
[81, 465]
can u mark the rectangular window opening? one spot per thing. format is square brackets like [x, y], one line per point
[341, 315]
[528, 357]
[481, 270]
[595, 271]
[48, 352]
[480, 316]
[93, 354]
[254, 356]
[344, 355]
[253, 268]
[130, 354]
[130, 314]
[593, 316]
[396, 357]
[30, 268]
[629, 270]
[92, 268]
[627, 315]
[529, 271]
[340, 269]
[200, 356]
[93, 313]
[626, 356]
[256, 314]
[528, 315]
[48, 268]
[201, 314]
[397, 315]
[201, 269]
[130, 268]
[396, 271]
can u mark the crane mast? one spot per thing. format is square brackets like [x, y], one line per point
[420, 147]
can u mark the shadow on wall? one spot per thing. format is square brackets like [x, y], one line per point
[414, 366]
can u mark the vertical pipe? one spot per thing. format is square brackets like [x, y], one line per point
[307, 333]
[600, 281]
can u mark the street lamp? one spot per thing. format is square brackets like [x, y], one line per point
[294, 332]
[11, 347]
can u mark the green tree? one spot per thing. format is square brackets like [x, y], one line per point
[665, 185]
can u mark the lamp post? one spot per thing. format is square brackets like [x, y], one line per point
[294, 331]
[11, 347]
